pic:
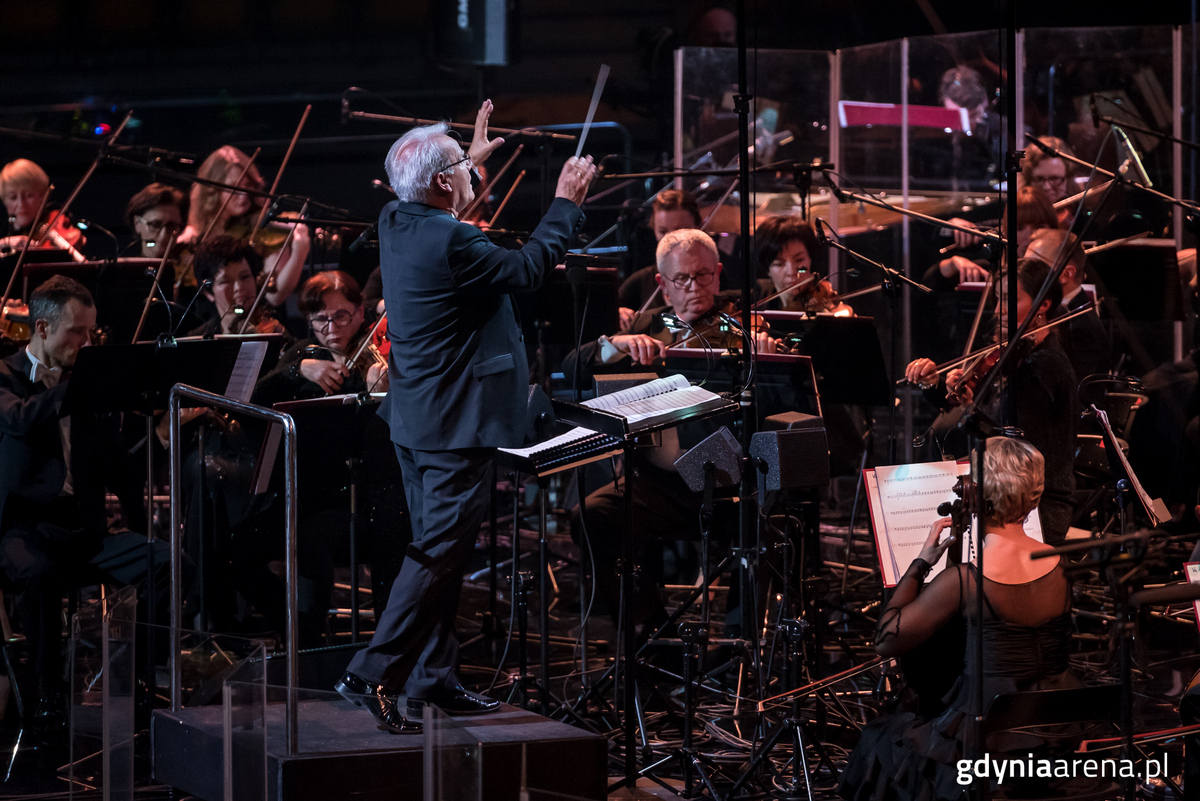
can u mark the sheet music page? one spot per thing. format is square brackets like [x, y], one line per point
[1192, 571]
[656, 387]
[909, 495]
[658, 404]
[245, 371]
[1152, 508]
[574, 435]
[883, 547]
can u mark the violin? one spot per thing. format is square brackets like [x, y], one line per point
[369, 354]
[14, 323]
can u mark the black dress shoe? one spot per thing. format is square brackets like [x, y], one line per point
[455, 702]
[382, 706]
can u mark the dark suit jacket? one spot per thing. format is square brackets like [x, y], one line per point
[32, 467]
[458, 374]
[1084, 339]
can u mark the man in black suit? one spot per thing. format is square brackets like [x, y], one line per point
[1083, 338]
[53, 475]
[459, 383]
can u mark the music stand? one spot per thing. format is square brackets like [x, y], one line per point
[139, 378]
[847, 359]
[1143, 277]
[119, 287]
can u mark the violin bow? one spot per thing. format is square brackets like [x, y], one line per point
[262, 215]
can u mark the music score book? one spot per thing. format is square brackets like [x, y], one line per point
[902, 501]
[646, 407]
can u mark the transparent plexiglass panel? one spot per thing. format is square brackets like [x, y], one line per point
[789, 112]
[872, 87]
[1125, 74]
[453, 759]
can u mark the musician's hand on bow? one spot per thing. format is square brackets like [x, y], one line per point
[575, 178]
[962, 238]
[627, 317]
[644, 349]
[922, 372]
[933, 549]
[961, 395]
[377, 378]
[481, 148]
[964, 268]
[765, 343]
[328, 375]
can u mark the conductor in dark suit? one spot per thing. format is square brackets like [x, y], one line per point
[459, 382]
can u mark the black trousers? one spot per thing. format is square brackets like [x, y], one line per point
[414, 647]
[45, 553]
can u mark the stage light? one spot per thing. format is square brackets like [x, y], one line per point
[102, 129]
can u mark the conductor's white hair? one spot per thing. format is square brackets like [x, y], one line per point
[683, 240]
[416, 158]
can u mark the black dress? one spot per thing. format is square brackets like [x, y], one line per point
[903, 756]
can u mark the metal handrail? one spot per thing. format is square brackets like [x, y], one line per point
[179, 392]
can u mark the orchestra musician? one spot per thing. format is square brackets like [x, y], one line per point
[689, 274]
[1083, 338]
[786, 246]
[320, 365]
[1044, 389]
[1053, 175]
[154, 213]
[1026, 636]
[671, 210]
[214, 212]
[229, 271]
[54, 471]
[459, 387]
[23, 184]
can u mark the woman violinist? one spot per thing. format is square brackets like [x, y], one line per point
[787, 245]
[321, 364]
[230, 272]
[1044, 390]
[216, 212]
[23, 185]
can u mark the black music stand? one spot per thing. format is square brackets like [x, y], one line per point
[847, 359]
[551, 312]
[119, 287]
[332, 434]
[139, 378]
[618, 426]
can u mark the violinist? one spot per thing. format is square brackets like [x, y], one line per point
[1055, 176]
[1044, 390]
[216, 212]
[786, 247]
[672, 210]
[154, 213]
[1083, 338]
[320, 365]
[689, 273]
[23, 184]
[230, 270]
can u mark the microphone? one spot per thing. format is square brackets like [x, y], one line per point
[1125, 147]
[1095, 113]
[820, 231]
[199, 291]
[85, 225]
[838, 192]
[378, 184]
[363, 238]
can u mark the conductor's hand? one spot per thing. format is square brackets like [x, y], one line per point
[480, 147]
[326, 374]
[575, 178]
[922, 372]
[642, 348]
[934, 549]
[964, 268]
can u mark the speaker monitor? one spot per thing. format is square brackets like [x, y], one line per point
[792, 458]
[725, 454]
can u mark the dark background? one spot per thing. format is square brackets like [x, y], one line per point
[202, 73]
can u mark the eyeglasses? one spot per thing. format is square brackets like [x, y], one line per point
[448, 167]
[684, 281]
[155, 226]
[1051, 180]
[338, 318]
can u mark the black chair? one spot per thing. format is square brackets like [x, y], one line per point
[1059, 718]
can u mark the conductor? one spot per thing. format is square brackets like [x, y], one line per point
[458, 387]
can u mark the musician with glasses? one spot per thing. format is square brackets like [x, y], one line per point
[1053, 175]
[459, 387]
[319, 365]
[154, 213]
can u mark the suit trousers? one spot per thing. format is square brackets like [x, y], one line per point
[414, 646]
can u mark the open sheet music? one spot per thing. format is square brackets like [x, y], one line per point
[245, 371]
[1156, 510]
[903, 501]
